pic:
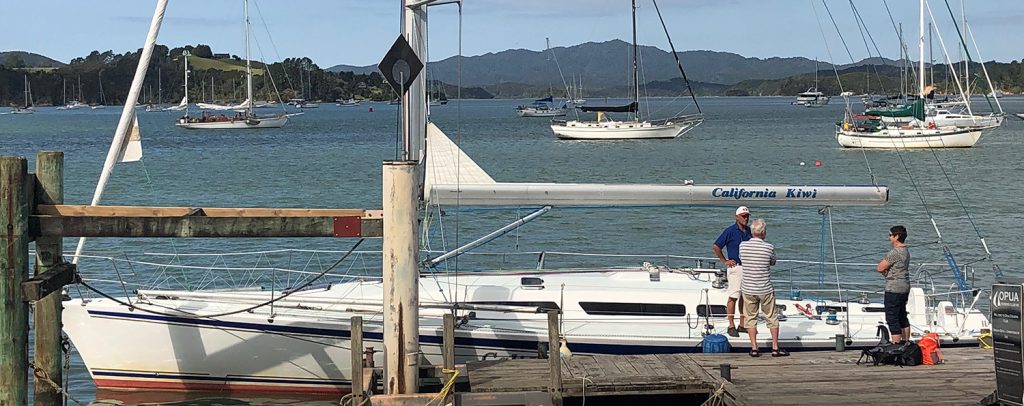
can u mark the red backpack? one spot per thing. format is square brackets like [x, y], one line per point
[930, 353]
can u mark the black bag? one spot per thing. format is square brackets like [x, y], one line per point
[902, 354]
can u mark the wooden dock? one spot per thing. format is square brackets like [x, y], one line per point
[831, 378]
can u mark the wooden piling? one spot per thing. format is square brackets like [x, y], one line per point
[448, 344]
[356, 339]
[49, 189]
[554, 359]
[14, 212]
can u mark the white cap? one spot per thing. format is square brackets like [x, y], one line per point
[742, 210]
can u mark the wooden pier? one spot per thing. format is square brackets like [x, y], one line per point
[828, 378]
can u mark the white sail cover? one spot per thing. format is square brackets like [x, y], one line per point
[241, 106]
[452, 178]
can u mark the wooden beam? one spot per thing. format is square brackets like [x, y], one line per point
[43, 284]
[154, 211]
[203, 227]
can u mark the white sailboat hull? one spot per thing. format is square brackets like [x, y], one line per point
[22, 111]
[304, 347]
[242, 123]
[622, 130]
[909, 138]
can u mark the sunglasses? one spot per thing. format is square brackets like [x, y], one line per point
[745, 215]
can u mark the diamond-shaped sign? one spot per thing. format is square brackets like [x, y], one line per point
[400, 66]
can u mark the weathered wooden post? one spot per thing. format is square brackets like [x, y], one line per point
[356, 339]
[448, 345]
[401, 277]
[14, 212]
[49, 253]
[554, 358]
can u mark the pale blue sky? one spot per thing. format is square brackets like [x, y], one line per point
[360, 32]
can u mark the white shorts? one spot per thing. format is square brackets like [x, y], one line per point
[735, 278]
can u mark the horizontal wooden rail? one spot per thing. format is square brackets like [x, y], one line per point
[143, 221]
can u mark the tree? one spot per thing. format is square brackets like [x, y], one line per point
[203, 51]
[14, 61]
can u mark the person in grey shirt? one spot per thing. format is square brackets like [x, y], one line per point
[895, 266]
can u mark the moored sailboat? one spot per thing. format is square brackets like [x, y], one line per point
[636, 127]
[28, 107]
[235, 340]
[247, 118]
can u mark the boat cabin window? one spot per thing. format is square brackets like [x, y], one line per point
[716, 310]
[542, 307]
[633, 309]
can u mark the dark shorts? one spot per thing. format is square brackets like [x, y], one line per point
[896, 312]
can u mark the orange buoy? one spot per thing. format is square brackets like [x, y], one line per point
[817, 163]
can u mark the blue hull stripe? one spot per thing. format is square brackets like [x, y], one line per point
[519, 346]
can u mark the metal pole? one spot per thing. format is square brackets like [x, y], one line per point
[414, 101]
[14, 212]
[49, 253]
[401, 276]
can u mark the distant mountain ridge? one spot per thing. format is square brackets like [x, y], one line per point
[28, 60]
[607, 64]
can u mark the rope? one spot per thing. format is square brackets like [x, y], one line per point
[443, 394]
[45, 378]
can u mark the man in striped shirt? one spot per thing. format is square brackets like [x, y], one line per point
[758, 292]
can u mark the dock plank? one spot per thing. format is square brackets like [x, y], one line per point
[803, 378]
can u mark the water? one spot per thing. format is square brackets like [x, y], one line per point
[331, 156]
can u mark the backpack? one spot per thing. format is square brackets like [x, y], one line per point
[930, 353]
[902, 354]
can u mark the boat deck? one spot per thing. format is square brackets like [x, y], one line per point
[830, 378]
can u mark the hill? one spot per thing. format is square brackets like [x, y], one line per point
[607, 64]
[22, 59]
[225, 65]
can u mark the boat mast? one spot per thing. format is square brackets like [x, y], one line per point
[128, 112]
[26, 92]
[184, 54]
[636, 77]
[248, 64]
[920, 52]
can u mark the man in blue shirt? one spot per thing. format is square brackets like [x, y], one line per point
[730, 240]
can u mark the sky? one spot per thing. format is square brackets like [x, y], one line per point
[358, 33]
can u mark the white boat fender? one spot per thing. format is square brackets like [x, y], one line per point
[563, 348]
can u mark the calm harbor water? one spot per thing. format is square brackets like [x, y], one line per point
[330, 157]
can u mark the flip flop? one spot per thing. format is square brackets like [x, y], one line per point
[780, 352]
[755, 353]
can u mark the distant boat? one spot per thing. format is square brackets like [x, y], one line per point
[73, 104]
[634, 126]
[1020, 115]
[27, 108]
[243, 119]
[350, 102]
[541, 108]
[812, 97]
[103, 99]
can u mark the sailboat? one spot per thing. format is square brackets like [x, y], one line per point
[27, 108]
[103, 98]
[635, 128]
[231, 339]
[245, 119]
[870, 131]
[76, 103]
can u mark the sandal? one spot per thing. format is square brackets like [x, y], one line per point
[755, 353]
[780, 352]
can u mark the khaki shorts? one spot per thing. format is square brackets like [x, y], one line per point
[766, 304]
[735, 278]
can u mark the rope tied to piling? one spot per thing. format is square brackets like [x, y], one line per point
[45, 378]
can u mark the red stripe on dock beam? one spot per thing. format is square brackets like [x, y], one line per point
[348, 226]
